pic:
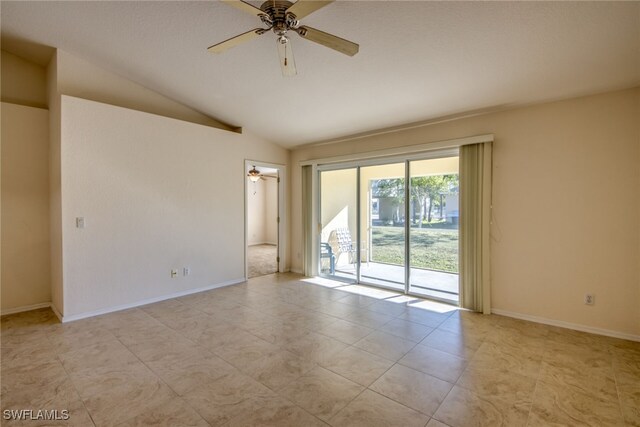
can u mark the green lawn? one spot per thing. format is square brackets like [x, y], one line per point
[432, 248]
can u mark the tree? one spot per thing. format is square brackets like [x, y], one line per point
[393, 190]
[419, 194]
[425, 193]
[429, 188]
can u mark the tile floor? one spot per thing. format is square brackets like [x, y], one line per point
[287, 351]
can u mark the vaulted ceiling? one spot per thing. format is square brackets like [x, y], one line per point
[418, 60]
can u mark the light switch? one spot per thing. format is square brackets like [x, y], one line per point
[80, 222]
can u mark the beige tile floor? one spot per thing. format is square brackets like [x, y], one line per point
[288, 351]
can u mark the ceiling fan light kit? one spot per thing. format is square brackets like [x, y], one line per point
[282, 17]
[254, 175]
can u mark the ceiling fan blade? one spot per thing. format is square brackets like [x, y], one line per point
[302, 8]
[245, 7]
[328, 40]
[287, 63]
[235, 41]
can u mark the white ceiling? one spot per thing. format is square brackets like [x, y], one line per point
[417, 61]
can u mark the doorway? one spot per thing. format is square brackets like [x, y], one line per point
[392, 224]
[262, 219]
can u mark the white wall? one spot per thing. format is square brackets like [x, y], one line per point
[271, 211]
[156, 194]
[566, 205]
[25, 207]
[262, 201]
[255, 213]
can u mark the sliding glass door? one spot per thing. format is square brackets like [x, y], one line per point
[392, 224]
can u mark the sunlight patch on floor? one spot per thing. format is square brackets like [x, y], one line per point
[328, 283]
[383, 295]
[368, 291]
[433, 306]
[402, 299]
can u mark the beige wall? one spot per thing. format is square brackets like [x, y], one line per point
[566, 204]
[255, 212]
[262, 204]
[55, 190]
[156, 194]
[25, 206]
[338, 203]
[271, 211]
[23, 82]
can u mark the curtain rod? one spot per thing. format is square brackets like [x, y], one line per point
[406, 149]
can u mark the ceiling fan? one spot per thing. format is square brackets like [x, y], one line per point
[282, 16]
[255, 175]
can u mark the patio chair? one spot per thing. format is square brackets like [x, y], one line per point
[341, 243]
[327, 252]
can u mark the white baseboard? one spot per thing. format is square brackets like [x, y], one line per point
[71, 318]
[24, 308]
[567, 325]
[293, 270]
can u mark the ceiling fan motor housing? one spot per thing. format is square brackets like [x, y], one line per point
[277, 17]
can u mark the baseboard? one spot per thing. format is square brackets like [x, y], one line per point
[263, 243]
[56, 312]
[567, 325]
[71, 318]
[24, 308]
[293, 270]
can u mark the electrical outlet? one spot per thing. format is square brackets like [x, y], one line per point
[589, 299]
[174, 273]
[186, 271]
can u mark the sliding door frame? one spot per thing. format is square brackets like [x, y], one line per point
[407, 227]
[377, 161]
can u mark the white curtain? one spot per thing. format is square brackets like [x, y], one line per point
[475, 220]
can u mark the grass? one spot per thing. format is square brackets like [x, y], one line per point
[437, 223]
[431, 248]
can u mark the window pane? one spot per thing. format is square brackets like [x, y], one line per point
[382, 218]
[433, 218]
